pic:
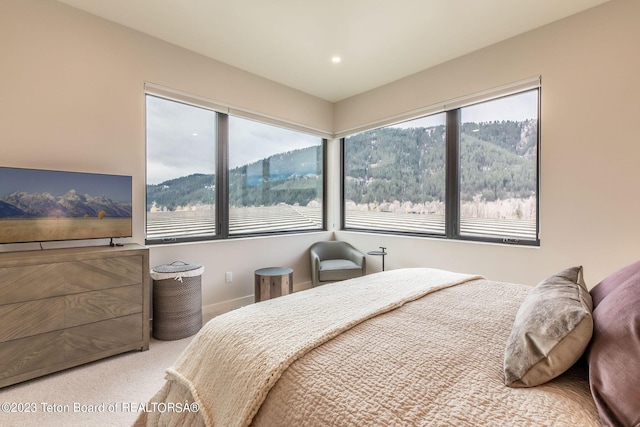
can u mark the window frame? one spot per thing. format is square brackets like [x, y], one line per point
[222, 115]
[452, 180]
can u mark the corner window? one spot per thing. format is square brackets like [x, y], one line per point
[211, 175]
[466, 173]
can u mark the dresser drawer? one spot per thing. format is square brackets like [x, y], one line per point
[102, 273]
[25, 319]
[101, 337]
[39, 281]
[30, 282]
[89, 307]
[31, 353]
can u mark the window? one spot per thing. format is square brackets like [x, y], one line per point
[211, 175]
[498, 168]
[181, 170]
[466, 173]
[394, 177]
[275, 178]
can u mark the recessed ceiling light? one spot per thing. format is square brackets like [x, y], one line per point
[336, 59]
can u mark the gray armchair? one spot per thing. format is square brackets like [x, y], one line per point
[333, 261]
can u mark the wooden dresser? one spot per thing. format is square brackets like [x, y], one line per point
[64, 307]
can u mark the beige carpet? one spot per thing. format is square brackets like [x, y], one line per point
[117, 384]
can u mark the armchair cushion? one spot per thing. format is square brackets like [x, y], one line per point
[338, 269]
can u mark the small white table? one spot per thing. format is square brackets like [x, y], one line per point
[272, 282]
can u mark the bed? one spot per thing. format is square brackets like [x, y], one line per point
[404, 347]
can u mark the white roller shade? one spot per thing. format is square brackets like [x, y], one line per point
[452, 104]
[187, 98]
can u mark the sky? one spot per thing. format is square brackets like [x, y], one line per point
[250, 141]
[181, 137]
[516, 107]
[181, 140]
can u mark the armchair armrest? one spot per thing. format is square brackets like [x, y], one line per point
[356, 256]
[315, 267]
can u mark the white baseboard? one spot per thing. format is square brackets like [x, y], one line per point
[302, 286]
[217, 309]
[212, 310]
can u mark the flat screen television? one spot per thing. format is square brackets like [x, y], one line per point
[45, 205]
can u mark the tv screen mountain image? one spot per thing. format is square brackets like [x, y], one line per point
[39, 205]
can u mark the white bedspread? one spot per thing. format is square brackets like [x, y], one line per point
[381, 350]
[236, 358]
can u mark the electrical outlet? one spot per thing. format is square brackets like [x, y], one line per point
[228, 277]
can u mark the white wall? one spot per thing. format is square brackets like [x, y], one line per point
[590, 148]
[72, 99]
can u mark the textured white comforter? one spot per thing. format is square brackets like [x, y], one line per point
[380, 350]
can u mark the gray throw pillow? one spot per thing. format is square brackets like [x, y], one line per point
[552, 329]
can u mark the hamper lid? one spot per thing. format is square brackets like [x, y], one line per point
[177, 267]
[176, 270]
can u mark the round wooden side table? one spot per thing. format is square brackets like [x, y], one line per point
[272, 282]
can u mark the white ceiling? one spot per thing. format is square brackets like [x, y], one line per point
[292, 41]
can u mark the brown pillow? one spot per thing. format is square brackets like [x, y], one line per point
[614, 353]
[552, 329]
[610, 283]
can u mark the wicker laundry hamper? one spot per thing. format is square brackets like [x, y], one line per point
[177, 300]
